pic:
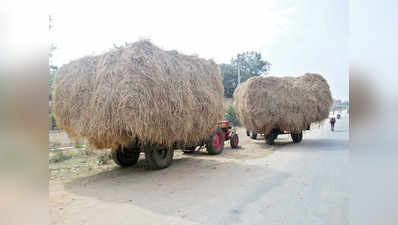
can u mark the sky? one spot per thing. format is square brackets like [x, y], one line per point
[373, 46]
[295, 36]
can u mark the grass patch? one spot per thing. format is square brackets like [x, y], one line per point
[103, 158]
[79, 144]
[59, 157]
[88, 151]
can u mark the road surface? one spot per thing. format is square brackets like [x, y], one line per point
[303, 184]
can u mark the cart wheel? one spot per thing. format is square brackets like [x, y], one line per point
[254, 136]
[297, 137]
[215, 144]
[125, 156]
[189, 150]
[159, 158]
[270, 138]
[234, 140]
[248, 133]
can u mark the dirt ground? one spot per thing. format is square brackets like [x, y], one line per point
[83, 169]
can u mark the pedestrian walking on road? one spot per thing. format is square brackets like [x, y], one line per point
[332, 122]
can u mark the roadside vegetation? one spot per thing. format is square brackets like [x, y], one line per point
[230, 115]
[75, 162]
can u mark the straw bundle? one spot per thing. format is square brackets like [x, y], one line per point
[139, 91]
[288, 103]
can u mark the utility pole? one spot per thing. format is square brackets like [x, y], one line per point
[238, 73]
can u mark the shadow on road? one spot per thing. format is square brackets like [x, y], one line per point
[189, 184]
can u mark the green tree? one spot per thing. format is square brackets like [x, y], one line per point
[51, 73]
[230, 115]
[52, 68]
[230, 79]
[250, 64]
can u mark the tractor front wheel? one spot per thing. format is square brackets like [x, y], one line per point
[125, 156]
[254, 136]
[215, 144]
[159, 157]
[234, 140]
[248, 133]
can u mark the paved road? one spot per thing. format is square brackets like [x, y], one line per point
[309, 185]
[288, 184]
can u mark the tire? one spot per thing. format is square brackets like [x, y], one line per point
[234, 140]
[297, 137]
[215, 143]
[125, 157]
[254, 136]
[189, 150]
[270, 138]
[159, 157]
[248, 133]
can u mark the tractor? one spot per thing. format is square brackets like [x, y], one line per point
[225, 133]
[160, 156]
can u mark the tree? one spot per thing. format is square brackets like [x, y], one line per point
[51, 72]
[230, 79]
[250, 63]
[52, 68]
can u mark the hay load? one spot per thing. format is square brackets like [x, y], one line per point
[138, 91]
[287, 103]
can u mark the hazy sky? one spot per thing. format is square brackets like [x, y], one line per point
[295, 36]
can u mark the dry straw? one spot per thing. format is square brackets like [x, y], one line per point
[288, 103]
[139, 91]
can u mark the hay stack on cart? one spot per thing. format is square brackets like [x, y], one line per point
[139, 98]
[276, 105]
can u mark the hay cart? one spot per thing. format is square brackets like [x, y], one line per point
[271, 136]
[160, 157]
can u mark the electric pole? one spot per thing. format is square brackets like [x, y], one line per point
[238, 73]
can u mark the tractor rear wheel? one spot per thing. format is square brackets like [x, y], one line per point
[297, 137]
[215, 144]
[159, 157]
[254, 136]
[234, 140]
[125, 156]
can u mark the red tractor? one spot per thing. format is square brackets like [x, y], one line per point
[215, 143]
[229, 134]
